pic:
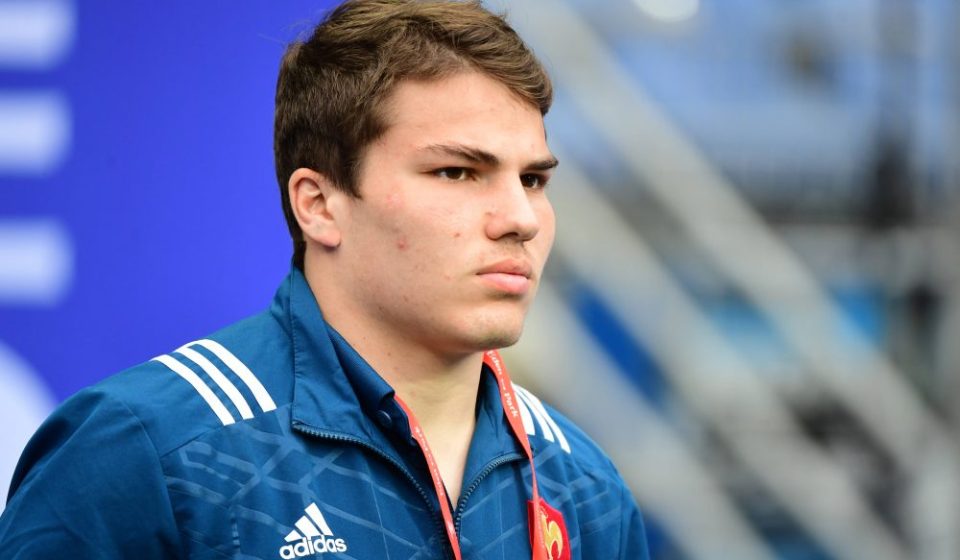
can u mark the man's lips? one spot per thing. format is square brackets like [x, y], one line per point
[511, 276]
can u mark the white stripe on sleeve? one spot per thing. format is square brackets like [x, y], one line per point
[541, 413]
[243, 372]
[225, 385]
[212, 400]
[545, 430]
[524, 414]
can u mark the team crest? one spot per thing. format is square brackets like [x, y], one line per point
[550, 524]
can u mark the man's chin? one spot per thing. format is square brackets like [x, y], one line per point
[486, 332]
[498, 339]
[498, 343]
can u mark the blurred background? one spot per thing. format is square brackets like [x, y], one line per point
[754, 299]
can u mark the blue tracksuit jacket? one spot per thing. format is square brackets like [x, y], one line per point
[274, 439]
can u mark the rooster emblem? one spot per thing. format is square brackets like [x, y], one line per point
[552, 536]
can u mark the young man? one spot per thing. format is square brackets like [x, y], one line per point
[366, 414]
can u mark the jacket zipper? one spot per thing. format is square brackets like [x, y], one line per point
[462, 502]
[438, 523]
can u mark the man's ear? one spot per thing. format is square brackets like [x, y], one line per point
[317, 204]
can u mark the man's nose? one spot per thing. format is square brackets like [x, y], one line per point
[511, 212]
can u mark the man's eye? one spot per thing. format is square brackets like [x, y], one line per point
[533, 181]
[453, 173]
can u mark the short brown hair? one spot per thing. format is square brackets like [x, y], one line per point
[332, 87]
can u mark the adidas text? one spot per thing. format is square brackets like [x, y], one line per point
[307, 547]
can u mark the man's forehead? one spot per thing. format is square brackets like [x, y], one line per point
[450, 91]
[469, 115]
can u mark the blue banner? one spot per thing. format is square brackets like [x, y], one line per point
[138, 203]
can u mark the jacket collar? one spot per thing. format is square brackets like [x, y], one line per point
[337, 392]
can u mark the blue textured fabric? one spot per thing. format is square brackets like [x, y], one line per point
[149, 464]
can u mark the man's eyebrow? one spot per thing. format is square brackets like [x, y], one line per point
[486, 158]
[544, 164]
[465, 152]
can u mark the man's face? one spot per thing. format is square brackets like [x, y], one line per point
[446, 246]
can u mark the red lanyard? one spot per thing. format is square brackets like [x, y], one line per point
[509, 400]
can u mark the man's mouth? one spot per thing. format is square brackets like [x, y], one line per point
[512, 276]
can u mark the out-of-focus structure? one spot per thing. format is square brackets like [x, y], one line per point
[754, 301]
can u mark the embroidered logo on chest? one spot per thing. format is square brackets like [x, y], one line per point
[549, 522]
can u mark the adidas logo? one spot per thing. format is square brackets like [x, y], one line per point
[311, 536]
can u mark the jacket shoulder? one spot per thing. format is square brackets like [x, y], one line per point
[73, 485]
[580, 475]
[239, 373]
[552, 432]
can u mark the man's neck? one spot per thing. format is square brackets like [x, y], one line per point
[444, 404]
[441, 394]
[441, 390]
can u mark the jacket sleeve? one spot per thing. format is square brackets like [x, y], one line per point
[633, 536]
[89, 485]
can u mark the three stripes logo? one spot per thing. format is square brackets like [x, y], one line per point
[312, 536]
[179, 362]
[531, 408]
